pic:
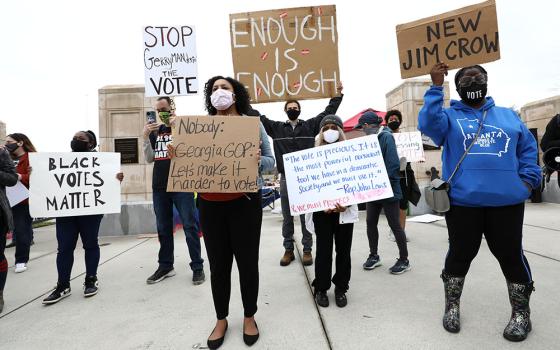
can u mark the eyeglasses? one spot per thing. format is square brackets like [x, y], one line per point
[467, 80]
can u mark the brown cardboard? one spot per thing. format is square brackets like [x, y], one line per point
[291, 67]
[215, 154]
[420, 48]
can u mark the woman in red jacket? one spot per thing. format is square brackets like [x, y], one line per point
[19, 146]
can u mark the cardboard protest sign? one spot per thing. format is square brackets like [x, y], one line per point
[460, 38]
[287, 53]
[348, 172]
[71, 184]
[215, 154]
[410, 146]
[170, 61]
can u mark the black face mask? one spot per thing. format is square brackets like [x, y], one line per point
[394, 125]
[473, 94]
[79, 146]
[293, 114]
[11, 147]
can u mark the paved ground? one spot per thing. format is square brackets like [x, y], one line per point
[384, 311]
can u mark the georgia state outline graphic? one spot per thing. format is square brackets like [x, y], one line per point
[492, 140]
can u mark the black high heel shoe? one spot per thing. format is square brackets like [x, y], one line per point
[250, 340]
[216, 343]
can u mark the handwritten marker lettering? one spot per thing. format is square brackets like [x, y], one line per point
[264, 55]
[305, 52]
[284, 14]
[319, 11]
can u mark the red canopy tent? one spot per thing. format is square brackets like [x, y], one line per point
[352, 122]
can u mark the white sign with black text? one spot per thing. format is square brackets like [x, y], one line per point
[348, 172]
[170, 61]
[410, 146]
[73, 184]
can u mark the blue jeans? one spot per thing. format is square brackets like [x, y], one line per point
[163, 207]
[23, 229]
[67, 231]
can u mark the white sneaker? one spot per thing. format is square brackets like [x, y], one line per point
[21, 267]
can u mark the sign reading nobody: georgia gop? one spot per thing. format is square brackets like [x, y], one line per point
[70, 184]
[348, 172]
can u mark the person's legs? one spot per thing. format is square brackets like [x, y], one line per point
[465, 226]
[324, 230]
[163, 208]
[307, 237]
[391, 210]
[373, 210]
[3, 267]
[67, 232]
[184, 202]
[288, 219]
[89, 232]
[213, 220]
[245, 217]
[504, 235]
[343, 246]
[23, 228]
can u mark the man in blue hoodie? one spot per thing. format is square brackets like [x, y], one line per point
[370, 123]
[488, 190]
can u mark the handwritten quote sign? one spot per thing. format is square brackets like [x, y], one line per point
[410, 146]
[170, 61]
[69, 184]
[287, 53]
[460, 38]
[215, 154]
[348, 172]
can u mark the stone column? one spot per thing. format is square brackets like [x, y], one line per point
[408, 98]
[122, 114]
[2, 132]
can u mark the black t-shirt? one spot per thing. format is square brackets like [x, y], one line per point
[161, 160]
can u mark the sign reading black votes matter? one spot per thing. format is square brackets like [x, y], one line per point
[348, 172]
[70, 184]
[215, 154]
[460, 38]
[170, 61]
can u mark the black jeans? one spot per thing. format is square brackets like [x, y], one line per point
[67, 231]
[163, 207]
[288, 222]
[233, 229]
[327, 227]
[503, 229]
[391, 209]
[3, 261]
[23, 229]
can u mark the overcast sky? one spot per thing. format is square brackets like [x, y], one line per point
[57, 54]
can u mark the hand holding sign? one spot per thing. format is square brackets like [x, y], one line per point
[438, 73]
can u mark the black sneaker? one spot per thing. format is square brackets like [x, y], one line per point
[372, 262]
[198, 277]
[160, 274]
[322, 299]
[401, 266]
[90, 286]
[59, 293]
[340, 299]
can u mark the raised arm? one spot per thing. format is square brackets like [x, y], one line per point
[432, 119]
[332, 107]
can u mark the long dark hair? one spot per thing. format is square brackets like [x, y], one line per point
[27, 145]
[241, 95]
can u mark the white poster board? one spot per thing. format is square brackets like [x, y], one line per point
[347, 173]
[410, 146]
[170, 61]
[71, 184]
[17, 194]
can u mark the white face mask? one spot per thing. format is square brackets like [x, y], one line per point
[221, 99]
[331, 136]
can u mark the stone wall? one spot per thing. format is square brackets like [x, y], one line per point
[122, 114]
[408, 98]
[2, 132]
